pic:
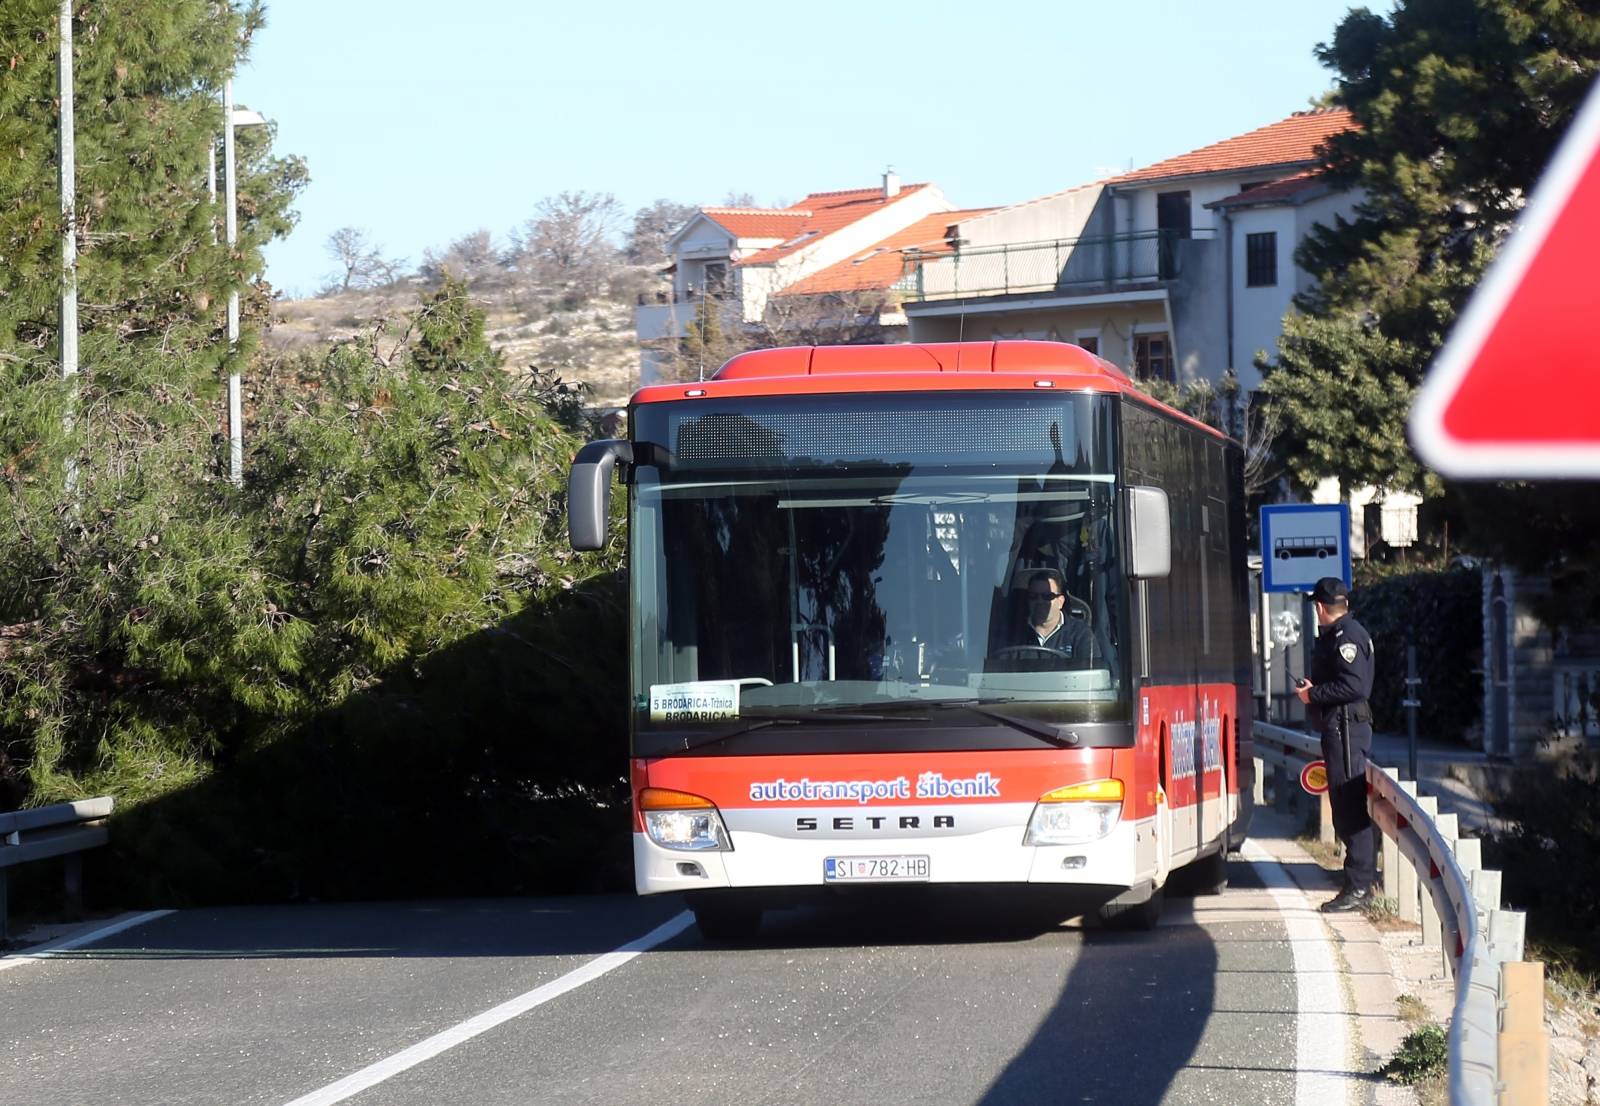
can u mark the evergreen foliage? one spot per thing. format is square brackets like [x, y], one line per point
[1423, 1055]
[1344, 389]
[82, 558]
[1459, 104]
[381, 638]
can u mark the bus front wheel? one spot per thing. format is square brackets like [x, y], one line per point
[1143, 915]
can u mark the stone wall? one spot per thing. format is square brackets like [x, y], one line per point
[1538, 682]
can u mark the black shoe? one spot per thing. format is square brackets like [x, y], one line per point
[1347, 901]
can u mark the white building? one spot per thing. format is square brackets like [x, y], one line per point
[1179, 270]
[736, 259]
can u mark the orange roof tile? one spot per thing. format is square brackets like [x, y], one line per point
[1279, 191]
[1287, 142]
[757, 222]
[882, 265]
[829, 212]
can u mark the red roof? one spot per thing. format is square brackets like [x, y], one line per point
[758, 222]
[1281, 191]
[1289, 141]
[883, 264]
[828, 212]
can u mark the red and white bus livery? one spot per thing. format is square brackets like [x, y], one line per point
[839, 675]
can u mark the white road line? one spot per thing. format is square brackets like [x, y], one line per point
[126, 922]
[1322, 1063]
[376, 1073]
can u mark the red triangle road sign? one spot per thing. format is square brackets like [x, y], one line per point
[1516, 390]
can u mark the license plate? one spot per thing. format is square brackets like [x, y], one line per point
[867, 869]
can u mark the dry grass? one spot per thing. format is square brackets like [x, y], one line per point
[1328, 856]
[592, 343]
[1411, 1009]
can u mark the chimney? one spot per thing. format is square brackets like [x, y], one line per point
[891, 184]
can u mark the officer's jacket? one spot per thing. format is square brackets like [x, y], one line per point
[1341, 670]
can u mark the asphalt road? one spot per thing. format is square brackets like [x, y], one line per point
[939, 999]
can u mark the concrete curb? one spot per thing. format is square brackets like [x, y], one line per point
[1373, 971]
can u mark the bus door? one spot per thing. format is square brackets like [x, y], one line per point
[1212, 637]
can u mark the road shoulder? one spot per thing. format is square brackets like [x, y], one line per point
[1378, 966]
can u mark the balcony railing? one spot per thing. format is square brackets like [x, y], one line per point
[688, 295]
[1082, 265]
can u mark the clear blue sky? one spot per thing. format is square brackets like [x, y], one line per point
[424, 121]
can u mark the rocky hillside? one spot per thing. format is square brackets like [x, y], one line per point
[583, 339]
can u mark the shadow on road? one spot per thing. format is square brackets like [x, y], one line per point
[891, 917]
[1162, 989]
[576, 925]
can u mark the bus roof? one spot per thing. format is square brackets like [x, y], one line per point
[925, 367]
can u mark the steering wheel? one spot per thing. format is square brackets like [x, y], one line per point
[1030, 650]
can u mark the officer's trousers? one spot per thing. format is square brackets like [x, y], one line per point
[1347, 795]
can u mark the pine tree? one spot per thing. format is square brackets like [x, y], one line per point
[81, 565]
[1459, 105]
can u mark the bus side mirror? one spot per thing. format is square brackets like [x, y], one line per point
[589, 491]
[1149, 533]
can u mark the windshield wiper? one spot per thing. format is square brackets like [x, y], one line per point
[761, 723]
[1042, 730]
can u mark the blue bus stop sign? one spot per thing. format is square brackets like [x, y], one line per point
[1303, 542]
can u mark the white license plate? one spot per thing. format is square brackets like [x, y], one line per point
[866, 869]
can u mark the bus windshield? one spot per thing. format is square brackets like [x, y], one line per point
[810, 560]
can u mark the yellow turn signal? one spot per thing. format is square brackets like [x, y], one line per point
[1094, 791]
[662, 798]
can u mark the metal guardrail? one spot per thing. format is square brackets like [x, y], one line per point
[1289, 751]
[1497, 1046]
[61, 829]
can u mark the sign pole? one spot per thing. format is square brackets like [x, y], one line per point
[1411, 704]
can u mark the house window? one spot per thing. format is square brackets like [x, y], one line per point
[1173, 225]
[716, 278]
[1152, 357]
[1261, 259]
[1089, 340]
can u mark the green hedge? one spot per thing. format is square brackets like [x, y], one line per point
[1549, 852]
[1441, 613]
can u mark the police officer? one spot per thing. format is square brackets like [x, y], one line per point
[1338, 694]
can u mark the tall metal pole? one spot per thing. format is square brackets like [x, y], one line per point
[69, 207]
[69, 242]
[235, 406]
[1411, 703]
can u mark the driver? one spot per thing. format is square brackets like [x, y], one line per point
[1049, 626]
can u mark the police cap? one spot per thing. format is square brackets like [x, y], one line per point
[1330, 590]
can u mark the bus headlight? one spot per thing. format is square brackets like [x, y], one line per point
[1075, 814]
[679, 820]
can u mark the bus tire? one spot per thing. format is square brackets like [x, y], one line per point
[1139, 916]
[1210, 874]
[726, 921]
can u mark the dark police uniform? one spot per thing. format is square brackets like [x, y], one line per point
[1341, 672]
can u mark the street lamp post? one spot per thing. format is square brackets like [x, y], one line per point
[232, 118]
[69, 217]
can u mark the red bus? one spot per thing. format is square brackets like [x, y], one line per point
[838, 675]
